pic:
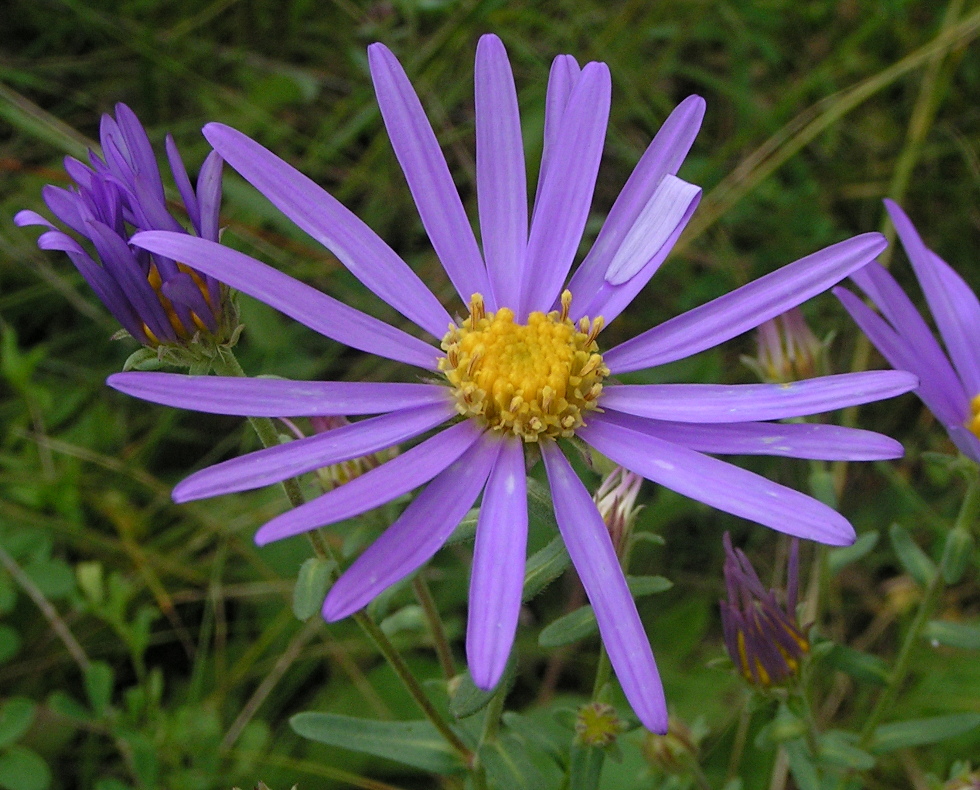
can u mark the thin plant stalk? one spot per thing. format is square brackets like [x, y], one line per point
[226, 364]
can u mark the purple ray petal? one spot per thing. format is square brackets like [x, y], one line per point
[656, 223]
[64, 204]
[939, 386]
[183, 183]
[663, 157]
[498, 567]
[591, 550]
[501, 182]
[321, 215]
[718, 484]
[565, 72]
[374, 488]
[248, 397]
[746, 307]
[307, 305]
[953, 305]
[428, 175]
[120, 262]
[712, 403]
[905, 319]
[792, 440]
[274, 464]
[610, 300]
[565, 197]
[417, 534]
[27, 217]
[104, 286]
[209, 195]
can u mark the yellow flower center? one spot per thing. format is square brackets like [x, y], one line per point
[973, 422]
[535, 379]
[183, 332]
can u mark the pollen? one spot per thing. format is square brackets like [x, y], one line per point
[533, 380]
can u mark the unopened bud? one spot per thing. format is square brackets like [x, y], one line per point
[764, 640]
[787, 350]
[674, 752]
[344, 471]
[616, 500]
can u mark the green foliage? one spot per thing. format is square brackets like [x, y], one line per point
[150, 645]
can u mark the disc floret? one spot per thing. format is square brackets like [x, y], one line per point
[533, 380]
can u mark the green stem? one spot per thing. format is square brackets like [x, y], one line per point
[225, 364]
[436, 630]
[967, 516]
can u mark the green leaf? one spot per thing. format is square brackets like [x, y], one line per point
[508, 766]
[99, 681]
[9, 642]
[312, 584]
[582, 623]
[913, 559]
[16, 715]
[53, 577]
[414, 743]
[585, 767]
[837, 748]
[22, 769]
[838, 558]
[961, 635]
[918, 732]
[544, 566]
[957, 552]
[466, 698]
[801, 765]
[68, 707]
[860, 666]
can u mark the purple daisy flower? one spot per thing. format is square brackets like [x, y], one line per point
[951, 391]
[524, 366]
[156, 299]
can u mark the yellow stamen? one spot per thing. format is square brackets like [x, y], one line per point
[973, 422]
[535, 379]
[183, 332]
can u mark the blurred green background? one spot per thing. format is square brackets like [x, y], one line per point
[816, 111]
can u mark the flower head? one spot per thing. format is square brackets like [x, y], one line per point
[787, 349]
[158, 300]
[525, 365]
[763, 638]
[951, 391]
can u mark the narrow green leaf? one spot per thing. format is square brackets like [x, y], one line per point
[508, 766]
[860, 666]
[918, 732]
[466, 698]
[22, 769]
[838, 748]
[414, 743]
[913, 559]
[961, 635]
[569, 628]
[544, 566]
[838, 558]
[582, 623]
[9, 642]
[16, 715]
[801, 765]
[312, 584]
[957, 552]
[99, 681]
[585, 767]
